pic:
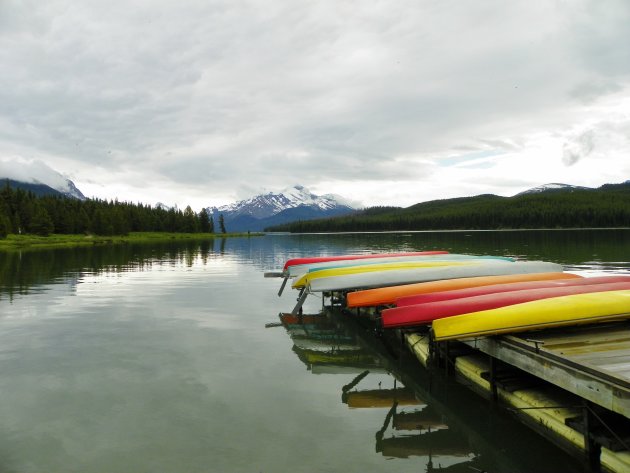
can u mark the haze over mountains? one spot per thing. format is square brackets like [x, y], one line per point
[38, 178]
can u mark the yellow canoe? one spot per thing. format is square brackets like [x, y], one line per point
[547, 313]
[305, 279]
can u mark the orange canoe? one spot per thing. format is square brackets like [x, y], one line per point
[388, 295]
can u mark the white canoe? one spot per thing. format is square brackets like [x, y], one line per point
[347, 282]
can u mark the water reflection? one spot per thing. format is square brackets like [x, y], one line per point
[578, 250]
[425, 415]
[24, 272]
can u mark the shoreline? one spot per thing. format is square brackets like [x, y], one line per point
[33, 242]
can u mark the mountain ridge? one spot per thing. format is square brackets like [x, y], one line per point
[555, 207]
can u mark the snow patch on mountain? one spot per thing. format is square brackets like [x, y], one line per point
[553, 186]
[272, 203]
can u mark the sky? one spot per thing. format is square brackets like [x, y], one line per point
[204, 102]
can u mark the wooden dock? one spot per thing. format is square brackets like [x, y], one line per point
[591, 362]
[571, 384]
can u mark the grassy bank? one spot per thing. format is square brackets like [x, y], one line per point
[23, 242]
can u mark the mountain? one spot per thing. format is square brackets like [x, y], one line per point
[40, 189]
[275, 208]
[553, 187]
[553, 206]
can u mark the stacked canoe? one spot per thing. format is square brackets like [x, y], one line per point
[462, 296]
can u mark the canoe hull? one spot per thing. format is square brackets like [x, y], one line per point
[575, 309]
[319, 259]
[308, 278]
[389, 295]
[300, 269]
[507, 287]
[410, 276]
[426, 313]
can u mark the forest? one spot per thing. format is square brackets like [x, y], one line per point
[21, 211]
[606, 206]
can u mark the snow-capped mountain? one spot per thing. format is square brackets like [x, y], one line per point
[272, 208]
[551, 187]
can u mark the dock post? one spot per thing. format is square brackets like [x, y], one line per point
[493, 379]
[446, 356]
[284, 283]
[431, 357]
[592, 449]
[300, 301]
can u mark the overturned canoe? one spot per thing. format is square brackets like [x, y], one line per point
[506, 287]
[308, 278]
[298, 266]
[373, 279]
[428, 312]
[301, 269]
[574, 309]
[320, 259]
[389, 295]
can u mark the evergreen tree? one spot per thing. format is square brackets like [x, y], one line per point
[190, 220]
[41, 223]
[204, 221]
[211, 226]
[5, 225]
[222, 224]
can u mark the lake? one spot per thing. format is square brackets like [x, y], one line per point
[150, 358]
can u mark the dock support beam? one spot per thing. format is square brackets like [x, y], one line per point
[284, 283]
[300, 301]
[592, 449]
[493, 379]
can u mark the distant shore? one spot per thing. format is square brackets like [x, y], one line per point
[28, 242]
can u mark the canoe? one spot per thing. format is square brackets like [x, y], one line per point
[507, 287]
[575, 309]
[319, 259]
[389, 295]
[307, 278]
[300, 269]
[426, 313]
[397, 277]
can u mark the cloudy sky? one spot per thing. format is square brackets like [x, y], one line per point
[395, 102]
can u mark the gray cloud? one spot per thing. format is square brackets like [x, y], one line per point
[216, 96]
[579, 148]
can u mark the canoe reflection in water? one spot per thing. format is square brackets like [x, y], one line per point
[328, 345]
[425, 415]
[420, 432]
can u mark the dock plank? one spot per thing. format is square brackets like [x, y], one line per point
[592, 362]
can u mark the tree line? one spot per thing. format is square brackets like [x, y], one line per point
[607, 206]
[23, 212]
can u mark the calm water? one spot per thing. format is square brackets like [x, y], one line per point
[157, 359]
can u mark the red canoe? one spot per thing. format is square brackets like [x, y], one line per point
[323, 259]
[508, 287]
[425, 313]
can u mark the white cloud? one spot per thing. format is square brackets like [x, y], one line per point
[204, 102]
[31, 171]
